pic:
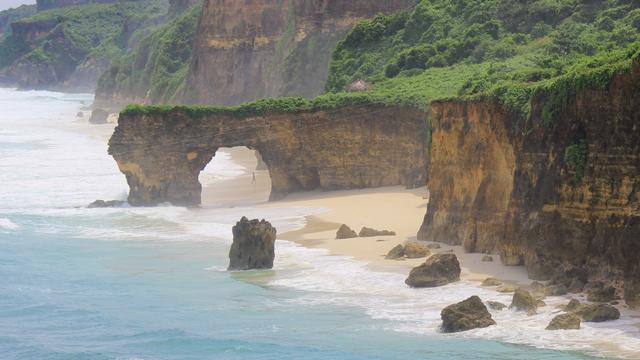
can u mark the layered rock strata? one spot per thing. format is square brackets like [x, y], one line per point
[348, 148]
[246, 50]
[500, 185]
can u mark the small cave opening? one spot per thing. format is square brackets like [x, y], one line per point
[235, 176]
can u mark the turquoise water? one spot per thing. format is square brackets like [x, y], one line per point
[128, 283]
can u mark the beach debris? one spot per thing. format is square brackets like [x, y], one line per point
[597, 312]
[466, 315]
[438, 270]
[397, 253]
[496, 305]
[253, 245]
[368, 232]
[414, 250]
[491, 282]
[564, 322]
[433, 246]
[345, 232]
[106, 204]
[99, 116]
[599, 291]
[524, 301]
[487, 258]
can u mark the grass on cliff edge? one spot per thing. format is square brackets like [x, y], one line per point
[508, 50]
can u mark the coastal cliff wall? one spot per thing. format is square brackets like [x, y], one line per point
[162, 154]
[246, 50]
[558, 195]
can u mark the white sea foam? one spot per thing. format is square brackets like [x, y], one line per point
[7, 224]
[343, 281]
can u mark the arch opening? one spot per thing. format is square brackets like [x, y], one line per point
[228, 179]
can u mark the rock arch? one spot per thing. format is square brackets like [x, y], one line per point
[162, 154]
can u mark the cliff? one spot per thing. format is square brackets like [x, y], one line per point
[558, 193]
[68, 48]
[161, 153]
[269, 48]
[52, 4]
[244, 51]
[11, 15]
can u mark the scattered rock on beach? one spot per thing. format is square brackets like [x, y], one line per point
[438, 270]
[573, 305]
[345, 232]
[397, 253]
[253, 245]
[80, 114]
[466, 315]
[433, 246]
[524, 301]
[537, 289]
[597, 312]
[487, 258]
[491, 282]
[600, 292]
[106, 204]
[496, 305]
[368, 232]
[556, 290]
[416, 251]
[564, 322]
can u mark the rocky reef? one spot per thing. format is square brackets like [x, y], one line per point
[162, 153]
[557, 193]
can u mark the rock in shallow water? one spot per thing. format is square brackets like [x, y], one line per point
[438, 270]
[524, 301]
[466, 315]
[345, 232]
[415, 251]
[368, 232]
[106, 204]
[253, 245]
[397, 253]
[495, 305]
[564, 322]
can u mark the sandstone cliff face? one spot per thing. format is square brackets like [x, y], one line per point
[246, 50]
[495, 188]
[352, 147]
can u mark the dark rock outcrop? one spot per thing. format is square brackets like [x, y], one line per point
[438, 270]
[414, 250]
[106, 204]
[601, 292]
[99, 116]
[397, 253]
[495, 305]
[345, 232]
[466, 315]
[368, 232]
[564, 322]
[352, 147]
[597, 312]
[491, 282]
[487, 258]
[498, 185]
[524, 301]
[253, 245]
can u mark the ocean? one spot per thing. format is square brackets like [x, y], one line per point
[150, 283]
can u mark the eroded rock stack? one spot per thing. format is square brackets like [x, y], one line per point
[253, 245]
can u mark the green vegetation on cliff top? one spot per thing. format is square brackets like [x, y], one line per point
[159, 64]
[102, 31]
[511, 50]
